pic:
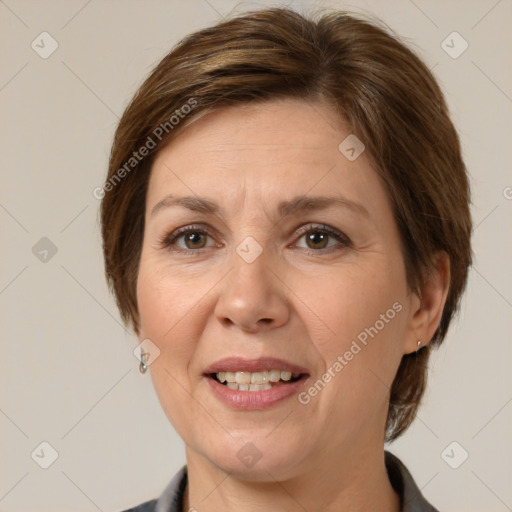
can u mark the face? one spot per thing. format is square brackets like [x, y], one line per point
[271, 258]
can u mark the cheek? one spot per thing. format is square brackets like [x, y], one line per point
[359, 340]
[164, 303]
[360, 304]
[165, 296]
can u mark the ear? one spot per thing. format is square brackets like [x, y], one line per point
[427, 307]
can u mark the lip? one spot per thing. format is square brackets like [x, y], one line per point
[239, 364]
[254, 400]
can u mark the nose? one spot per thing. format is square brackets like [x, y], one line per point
[253, 296]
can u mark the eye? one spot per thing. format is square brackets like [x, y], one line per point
[186, 239]
[322, 237]
[317, 239]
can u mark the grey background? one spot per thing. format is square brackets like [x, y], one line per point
[68, 376]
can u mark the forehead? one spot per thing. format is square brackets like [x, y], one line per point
[270, 117]
[268, 150]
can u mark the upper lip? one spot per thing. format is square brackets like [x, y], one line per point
[239, 364]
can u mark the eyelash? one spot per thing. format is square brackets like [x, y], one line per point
[168, 241]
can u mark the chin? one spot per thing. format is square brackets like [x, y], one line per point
[255, 458]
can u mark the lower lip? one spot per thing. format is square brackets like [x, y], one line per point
[254, 400]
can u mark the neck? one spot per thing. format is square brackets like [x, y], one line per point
[352, 482]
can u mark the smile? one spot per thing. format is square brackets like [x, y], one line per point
[254, 381]
[254, 384]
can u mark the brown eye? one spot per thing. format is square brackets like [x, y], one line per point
[317, 240]
[322, 238]
[188, 239]
[194, 240]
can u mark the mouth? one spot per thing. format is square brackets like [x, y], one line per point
[255, 381]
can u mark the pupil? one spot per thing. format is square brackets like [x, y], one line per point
[317, 238]
[194, 239]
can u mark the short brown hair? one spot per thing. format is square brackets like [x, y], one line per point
[380, 88]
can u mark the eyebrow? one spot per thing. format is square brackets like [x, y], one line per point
[287, 208]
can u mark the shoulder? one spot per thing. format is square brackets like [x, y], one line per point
[148, 506]
[171, 499]
[402, 481]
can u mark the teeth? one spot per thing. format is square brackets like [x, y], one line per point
[253, 381]
[243, 377]
[275, 375]
[248, 387]
[259, 378]
[259, 387]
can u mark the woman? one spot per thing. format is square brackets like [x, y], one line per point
[286, 227]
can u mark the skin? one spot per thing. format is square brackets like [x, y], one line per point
[303, 301]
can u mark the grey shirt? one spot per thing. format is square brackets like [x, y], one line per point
[411, 499]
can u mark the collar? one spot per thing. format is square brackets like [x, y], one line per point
[411, 499]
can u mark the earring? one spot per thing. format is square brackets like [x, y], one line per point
[142, 365]
[419, 344]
